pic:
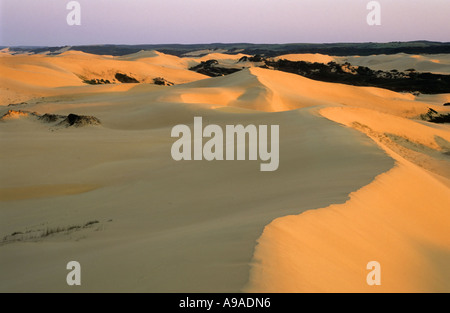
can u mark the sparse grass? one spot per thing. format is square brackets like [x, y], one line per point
[91, 223]
[37, 234]
[73, 228]
[433, 116]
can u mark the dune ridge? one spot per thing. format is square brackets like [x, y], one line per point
[435, 63]
[400, 220]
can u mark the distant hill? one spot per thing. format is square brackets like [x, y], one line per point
[269, 50]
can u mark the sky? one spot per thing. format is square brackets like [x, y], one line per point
[44, 22]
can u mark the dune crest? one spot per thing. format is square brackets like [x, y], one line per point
[400, 220]
[307, 57]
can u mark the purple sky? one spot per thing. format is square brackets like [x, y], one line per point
[43, 22]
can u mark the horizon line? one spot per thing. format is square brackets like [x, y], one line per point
[223, 43]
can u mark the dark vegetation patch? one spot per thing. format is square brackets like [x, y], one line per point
[435, 117]
[79, 120]
[96, 81]
[125, 79]
[57, 119]
[211, 68]
[162, 82]
[410, 81]
[51, 118]
[42, 233]
[256, 58]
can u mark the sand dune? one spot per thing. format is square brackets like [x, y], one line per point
[171, 228]
[111, 197]
[24, 76]
[434, 63]
[273, 91]
[307, 57]
[160, 59]
[400, 220]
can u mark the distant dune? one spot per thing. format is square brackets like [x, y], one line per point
[438, 63]
[313, 58]
[434, 63]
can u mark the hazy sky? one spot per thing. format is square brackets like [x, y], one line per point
[43, 22]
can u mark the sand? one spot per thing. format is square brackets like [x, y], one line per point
[400, 220]
[360, 179]
[433, 63]
[307, 57]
